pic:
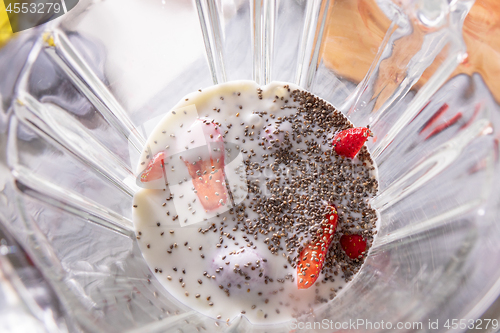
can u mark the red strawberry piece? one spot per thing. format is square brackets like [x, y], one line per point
[353, 245]
[206, 171]
[313, 255]
[349, 142]
[155, 167]
[210, 187]
[207, 174]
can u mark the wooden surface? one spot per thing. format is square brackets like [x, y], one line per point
[356, 28]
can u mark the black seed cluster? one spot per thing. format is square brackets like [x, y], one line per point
[307, 176]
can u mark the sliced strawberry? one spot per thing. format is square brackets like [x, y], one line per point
[210, 187]
[353, 245]
[207, 172]
[155, 167]
[313, 255]
[349, 142]
[205, 164]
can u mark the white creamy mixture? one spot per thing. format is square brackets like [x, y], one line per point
[200, 255]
